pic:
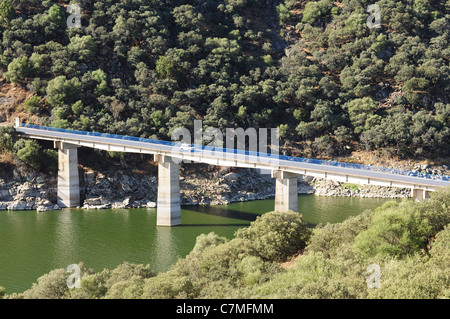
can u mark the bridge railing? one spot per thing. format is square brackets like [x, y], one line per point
[218, 150]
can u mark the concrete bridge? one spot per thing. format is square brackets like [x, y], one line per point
[285, 169]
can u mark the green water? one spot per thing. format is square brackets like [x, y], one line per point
[32, 244]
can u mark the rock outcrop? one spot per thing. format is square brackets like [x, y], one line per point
[122, 190]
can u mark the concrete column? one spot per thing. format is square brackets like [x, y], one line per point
[420, 194]
[286, 191]
[68, 179]
[168, 208]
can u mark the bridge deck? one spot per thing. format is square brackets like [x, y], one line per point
[344, 172]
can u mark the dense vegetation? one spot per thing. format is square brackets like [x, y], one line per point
[408, 240]
[312, 68]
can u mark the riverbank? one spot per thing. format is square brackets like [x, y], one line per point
[116, 189]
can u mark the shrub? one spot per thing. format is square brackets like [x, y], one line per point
[329, 238]
[55, 15]
[7, 11]
[277, 236]
[99, 76]
[436, 210]
[166, 67]
[315, 276]
[18, 69]
[394, 231]
[77, 108]
[313, 10]
[168, 286]
[252, 269]
[413, 278]
[29, 152]
[360, 111]
[83, 46]
[93, 285]
[60, 90]
[126, 271]
[49, 161]
[127, 281]
[221, 262]
[283, 13]
[49, 286]
[61, 123]
[204, 241]
[440, 247]
[32, 105]
[132, 288]
[329, 268]
[7, 138]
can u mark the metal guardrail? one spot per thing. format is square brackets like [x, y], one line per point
[195, 148]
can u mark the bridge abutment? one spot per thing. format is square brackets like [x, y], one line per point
[68, 178]
[168, 207]
[286, 191]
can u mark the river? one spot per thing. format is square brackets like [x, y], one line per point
[32, 243]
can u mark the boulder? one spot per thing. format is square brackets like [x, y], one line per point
[18, 205]
[4, 194]
[93, 201]
[151, 204]
[231, 177]
[123, 204]
[42, 208]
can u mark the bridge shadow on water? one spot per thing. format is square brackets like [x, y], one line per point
[227, 212]
[224, 211]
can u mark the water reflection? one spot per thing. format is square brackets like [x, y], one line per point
[66, 239]
[165, 253]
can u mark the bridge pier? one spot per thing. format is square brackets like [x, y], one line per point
[168, 206]
[420, 194]
[286, 191]
[68, 179]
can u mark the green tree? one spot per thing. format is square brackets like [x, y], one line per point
[29, 152]
[7, 12]
[56, 15]
[393, 131]
[187, 17]
[313, 10]
[413, 89]
[167, 68]
[32, 105]
[18, 69]
[361, 111]
[7, 134]
[100, 77]
[84, 47]
[77, 108]
[283, 12]
[61, 91]
[359, 78]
